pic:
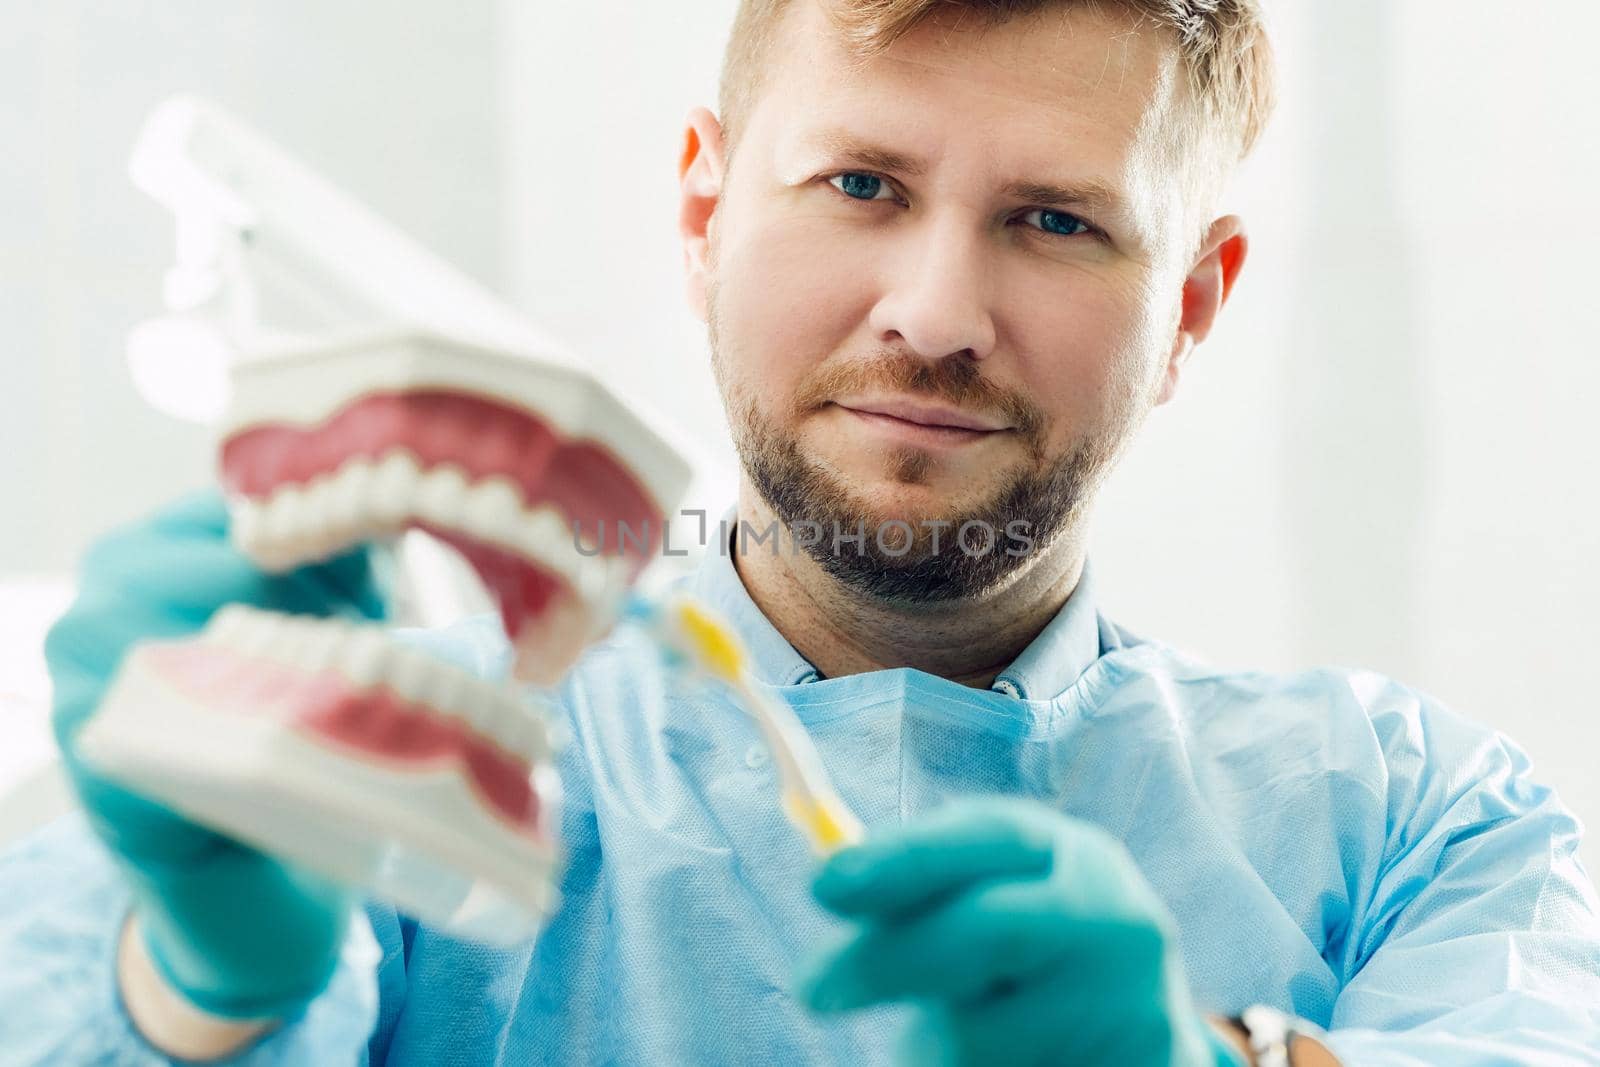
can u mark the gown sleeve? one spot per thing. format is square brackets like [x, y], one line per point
[1480, 942]
[62, 906]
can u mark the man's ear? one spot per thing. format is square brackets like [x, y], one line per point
[700, 173]
[1205, 290]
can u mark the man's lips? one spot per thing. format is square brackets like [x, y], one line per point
[934, 416]
[925, 426]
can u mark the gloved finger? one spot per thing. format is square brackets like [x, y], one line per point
[996, 936]
[1068, 1019]
[203, 511]
[220, 958]
[900, 871]
[354, 578]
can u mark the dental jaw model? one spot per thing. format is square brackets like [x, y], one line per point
[362, 391]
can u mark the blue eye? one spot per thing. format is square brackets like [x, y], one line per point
[858, 186]
[1065, 225]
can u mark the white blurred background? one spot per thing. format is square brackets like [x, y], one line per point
[1383, 457]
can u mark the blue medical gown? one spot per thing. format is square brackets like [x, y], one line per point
[1329, 842]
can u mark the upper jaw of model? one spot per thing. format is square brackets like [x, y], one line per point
[531, 470]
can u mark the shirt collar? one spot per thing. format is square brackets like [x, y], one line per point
[1068, 644]
[1063, 650]
[717, 584]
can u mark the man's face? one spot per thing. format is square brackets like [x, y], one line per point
[929, 339]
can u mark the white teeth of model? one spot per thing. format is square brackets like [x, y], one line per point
[497, 726]
[442, 689]
[501, 724]
[408, 676]
[479, 704]
[441, 495]
[484, 721]
[493, 511]
[228, 623]
[322, 653]
[281, 526]
[287, 642]
[350, 489]
[543, 537]
[589, 579]
[365, 658]
[520, 738]
[492, 719]
[280, 642]
[619, 568]
[502, 729]
[256, 637]
[393, 488]
[320, 645]
[244, 524]
[314, 533]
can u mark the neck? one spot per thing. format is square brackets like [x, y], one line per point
[840, 631]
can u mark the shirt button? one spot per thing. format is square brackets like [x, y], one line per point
[755, 757]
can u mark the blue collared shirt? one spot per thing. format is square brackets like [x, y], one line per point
[1052, 661]
[1328, 841]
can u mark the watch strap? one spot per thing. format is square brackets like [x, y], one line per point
[1269, 1032]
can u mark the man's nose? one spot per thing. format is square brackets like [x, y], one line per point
[936, 292]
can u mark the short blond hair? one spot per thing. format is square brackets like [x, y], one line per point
[1223, 44]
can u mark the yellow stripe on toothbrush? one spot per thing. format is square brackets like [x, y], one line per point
[716, 648]
[826, 823]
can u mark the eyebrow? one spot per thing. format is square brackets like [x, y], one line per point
[1090, 193]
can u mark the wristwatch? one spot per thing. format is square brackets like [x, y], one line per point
[1270, 1032]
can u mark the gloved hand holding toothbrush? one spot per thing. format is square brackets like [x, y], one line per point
[1021, 936]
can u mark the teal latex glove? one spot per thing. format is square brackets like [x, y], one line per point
[1021, 936]
[238, 933]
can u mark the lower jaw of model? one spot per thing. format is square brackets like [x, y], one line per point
[325, 742]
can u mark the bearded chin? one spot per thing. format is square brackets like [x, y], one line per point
[802, 494]
[1023, 516]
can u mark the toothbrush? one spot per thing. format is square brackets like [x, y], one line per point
[694, 638]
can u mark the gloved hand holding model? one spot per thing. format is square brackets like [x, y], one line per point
[1024, 937]
[237, 933]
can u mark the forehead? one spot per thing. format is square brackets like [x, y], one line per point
[1067, 94]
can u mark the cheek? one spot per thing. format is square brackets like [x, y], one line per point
[785, 302]
[1089, 346]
